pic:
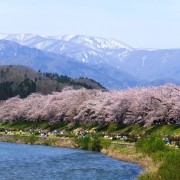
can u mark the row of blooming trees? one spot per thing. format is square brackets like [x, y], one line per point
[138, 105]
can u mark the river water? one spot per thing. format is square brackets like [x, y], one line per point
[34, 162]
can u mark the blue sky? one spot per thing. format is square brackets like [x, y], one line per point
[139, 23]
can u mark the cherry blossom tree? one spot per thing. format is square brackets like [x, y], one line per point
[139, 105]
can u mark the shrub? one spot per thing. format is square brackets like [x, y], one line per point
[47, 142]
[105, 143]
[53, 140]
[83, 142]
[149, 176]
[169, 169]
[16, 136]
[150, 145]
[95, 143]
[168, 157]
[112, 127]
[32, 138]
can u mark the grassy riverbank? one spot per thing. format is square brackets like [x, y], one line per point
[33, 139]
[113, 128]
[159, 160]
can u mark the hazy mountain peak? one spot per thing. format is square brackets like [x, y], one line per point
[86, 49]
[63, 37]
[93, 41]
[78, 39]
[16, 37]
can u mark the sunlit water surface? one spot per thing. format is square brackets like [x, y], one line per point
[20, 161]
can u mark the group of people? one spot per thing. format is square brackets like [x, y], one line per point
[47, 134]
[32, 131]
[8, 132]
[81, 133]
[166, 139]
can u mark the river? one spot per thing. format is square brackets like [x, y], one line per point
[35, 162]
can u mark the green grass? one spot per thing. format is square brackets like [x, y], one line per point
[157, 130]
[168, 157]
[173, 130]
[23, 125]
[132, 130]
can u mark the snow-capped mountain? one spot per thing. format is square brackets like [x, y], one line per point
[88, 41]
[12, 53]
[97, 57]
[81, 48]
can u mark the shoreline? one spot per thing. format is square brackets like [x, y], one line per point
[118, 152]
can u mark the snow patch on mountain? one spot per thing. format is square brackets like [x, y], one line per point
[144, 64]
[86, 49]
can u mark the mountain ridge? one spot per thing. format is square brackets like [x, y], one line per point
[14, 53]
[82, 55]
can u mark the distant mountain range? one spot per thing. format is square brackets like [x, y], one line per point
[108, 61]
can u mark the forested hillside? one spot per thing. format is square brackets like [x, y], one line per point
[22, 81]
